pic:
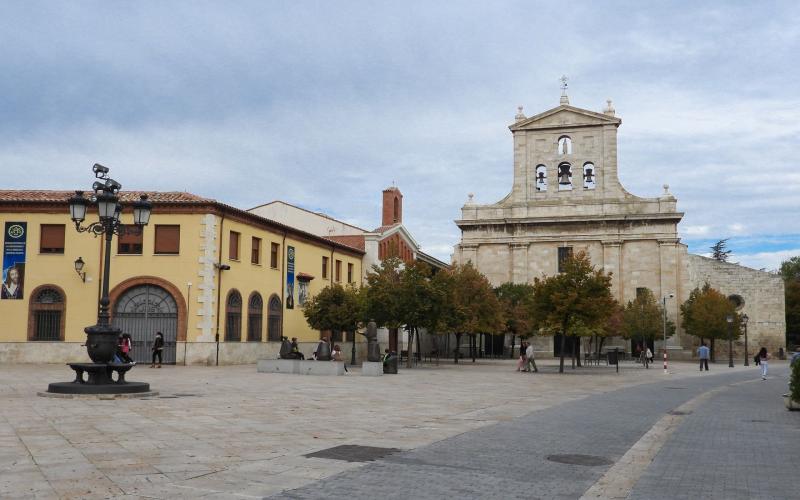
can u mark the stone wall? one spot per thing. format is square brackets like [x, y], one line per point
[763, 295]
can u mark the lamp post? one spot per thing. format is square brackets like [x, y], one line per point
[744, 320]
[664, 322]
[101, 338]
[729, 319]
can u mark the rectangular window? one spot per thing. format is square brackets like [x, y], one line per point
[564, 253]
[130, 241]
[52, 238]
[168, 239]
[349, 273]
[640, 292]
[255, 251]
[338, 270]
[273, 255]
[324, 268]
[233, 246]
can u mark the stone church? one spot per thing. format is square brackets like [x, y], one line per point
[566, 197]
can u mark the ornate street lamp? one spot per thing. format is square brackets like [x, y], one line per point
[744, 321]
[102, 338]
[729, 319]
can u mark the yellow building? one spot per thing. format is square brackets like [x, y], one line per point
[215, 280]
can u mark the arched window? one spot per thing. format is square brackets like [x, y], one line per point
[564, 177]
[274, 312]
[233, 317]
[46, 314]
[396, 209]
[589, 176]
[541, 178]
[255, 311]
[564, 145]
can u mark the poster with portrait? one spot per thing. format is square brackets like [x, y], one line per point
[289, 277]
[15, 236]
[302, 296]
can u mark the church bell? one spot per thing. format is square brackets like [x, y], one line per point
[540, 178]
[563, 175]
[588, 175]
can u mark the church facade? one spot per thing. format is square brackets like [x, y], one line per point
[566, 197]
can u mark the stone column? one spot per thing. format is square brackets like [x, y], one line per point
[667, 250]
[519, 262]
[612, 253]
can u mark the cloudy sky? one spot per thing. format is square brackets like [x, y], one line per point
[323, 104]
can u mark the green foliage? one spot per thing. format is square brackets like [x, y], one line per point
[381, 302]
[704, 314]
[515, 301]
[470, 304]
[794, 382]
[418, 301]
[335, 308]
[790, 271]
[580, 294]
[643, 318]
[719, 251]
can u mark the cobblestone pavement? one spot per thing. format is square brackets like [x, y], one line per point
[743, 443]
[229, 432]
[705, 458]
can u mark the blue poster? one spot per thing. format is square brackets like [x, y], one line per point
[15, 236]
[289, 277]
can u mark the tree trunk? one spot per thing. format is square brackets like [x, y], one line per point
[600, 346]
[572, 352]
[713, 355]
[513, 339]
[410, 346]
[563, 346]
[474, 347]
[578, 349]
[419, 345]
[457, 350]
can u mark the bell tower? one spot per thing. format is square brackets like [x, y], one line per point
[392, 206]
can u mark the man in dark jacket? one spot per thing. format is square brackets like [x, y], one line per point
[158, 348]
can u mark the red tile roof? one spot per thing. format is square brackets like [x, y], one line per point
[383, 229]
[353, 240]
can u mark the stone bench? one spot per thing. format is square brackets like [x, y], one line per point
[300, 367]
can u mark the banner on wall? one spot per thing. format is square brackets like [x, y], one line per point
[15, 236]
[289, 277]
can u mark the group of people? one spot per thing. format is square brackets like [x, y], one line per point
[125, 347]
[526, 362]
[761, 359]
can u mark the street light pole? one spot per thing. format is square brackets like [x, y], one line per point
[746, 354]
[729, 319]
[664, 309]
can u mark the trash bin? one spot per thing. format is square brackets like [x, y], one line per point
[390, 365]
[613, 357]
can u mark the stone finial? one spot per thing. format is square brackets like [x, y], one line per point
[520, 115]
[609, 108]
[470, 196]
[564, 97]
[666, 189]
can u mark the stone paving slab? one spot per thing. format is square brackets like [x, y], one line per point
[235, 432]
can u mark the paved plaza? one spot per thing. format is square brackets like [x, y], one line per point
[465, 431]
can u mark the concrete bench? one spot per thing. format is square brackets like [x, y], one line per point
[278, 366]
[300, 367]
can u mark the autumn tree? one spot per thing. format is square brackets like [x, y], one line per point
[515, 299]
[381, 301]
[469, 305]
[579, 293]
[418, 301]
[643, 318]
[335, 308]
[790, 271]
[705, 312]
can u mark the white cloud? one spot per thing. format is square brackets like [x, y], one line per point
[695, 230]
[769, 261]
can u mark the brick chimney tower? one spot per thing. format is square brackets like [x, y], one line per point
[392, 206]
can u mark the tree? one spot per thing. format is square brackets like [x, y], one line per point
[705, 312]
[418, 301]
[335, 308]
[643, 318]
[514, 302]
[381, 302]
[719, 251]
[790, 271]
[579, 293]
[469, 305]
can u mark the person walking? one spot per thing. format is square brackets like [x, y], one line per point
[763, 357]
[531, 363]
[704, 353]
[125, 348]
[522, 360]
[158, 348]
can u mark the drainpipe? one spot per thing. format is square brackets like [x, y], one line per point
[219, 267]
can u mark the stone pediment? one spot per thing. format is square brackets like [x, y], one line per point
[565, 116]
